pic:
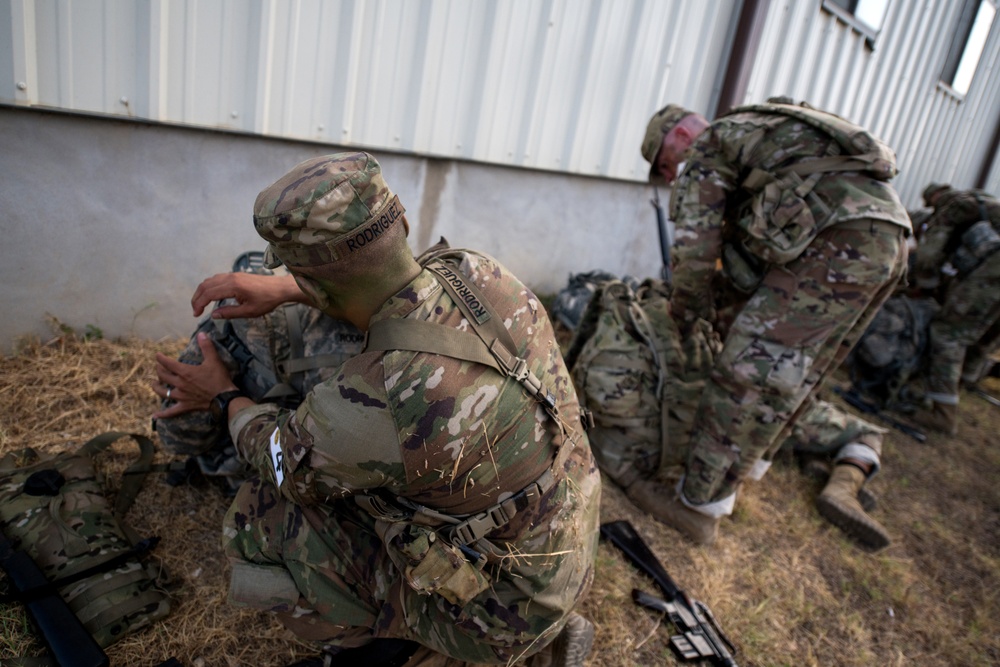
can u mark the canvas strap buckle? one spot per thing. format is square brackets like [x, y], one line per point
[479, 526]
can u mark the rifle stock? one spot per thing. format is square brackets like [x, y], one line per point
[69, 642]
[699, 634]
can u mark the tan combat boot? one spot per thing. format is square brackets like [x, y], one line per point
[662, 503]
[820, 469]
[942, 418]
[838, 504]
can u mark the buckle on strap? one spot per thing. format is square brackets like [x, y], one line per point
[380, 509]
[479, 526]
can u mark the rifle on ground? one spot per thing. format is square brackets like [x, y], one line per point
[856, 400]
[666, 240]
[69, 642]
[700, 635]
[992, 400]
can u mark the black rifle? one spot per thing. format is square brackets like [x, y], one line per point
[853, 398]
[68, 641]
[992, 400]
[666, 242]
[700, 635]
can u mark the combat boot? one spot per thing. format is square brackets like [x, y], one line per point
[942, 418]
[819, 469]
[663, 504]
[573, 644]
[838, 504]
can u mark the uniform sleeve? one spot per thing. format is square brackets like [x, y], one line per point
[342, 439]
[699, 202]
[930, 254]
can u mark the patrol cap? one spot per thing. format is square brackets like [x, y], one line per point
[324, 210]
[659, 126]
[933, 189]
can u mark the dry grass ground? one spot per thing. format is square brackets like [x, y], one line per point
[787, 587]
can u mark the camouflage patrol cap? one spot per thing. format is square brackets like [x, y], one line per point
[659, 126]
[324, 210]
[934, 189]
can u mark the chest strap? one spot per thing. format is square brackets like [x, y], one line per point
[493, 346]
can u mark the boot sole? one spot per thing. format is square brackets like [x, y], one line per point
[859, 528]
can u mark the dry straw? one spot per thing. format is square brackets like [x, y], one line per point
[787, 587]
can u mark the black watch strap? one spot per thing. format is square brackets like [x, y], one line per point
[219, 406]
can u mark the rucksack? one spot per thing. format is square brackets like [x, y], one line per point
[892, 349]
[55, 509]
[639, 379]
[778, 219]
[571, 301]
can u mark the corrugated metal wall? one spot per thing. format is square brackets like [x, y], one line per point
[893, 89]
[564, 85]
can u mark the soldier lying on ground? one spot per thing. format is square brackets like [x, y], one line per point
[437, 495]
[811, 231]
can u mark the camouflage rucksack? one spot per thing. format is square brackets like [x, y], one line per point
[635, 374]
[892, 348]
[55, 509]
[779, 220]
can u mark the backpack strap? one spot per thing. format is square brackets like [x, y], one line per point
[493, 346]
[864, 152]
[134, 476]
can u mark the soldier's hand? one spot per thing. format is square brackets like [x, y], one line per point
[191, 387]
[255, 294]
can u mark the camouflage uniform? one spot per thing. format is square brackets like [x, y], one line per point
[805, 315]
[417, 430]
[823, 429]
[257, 352]
[964, 333]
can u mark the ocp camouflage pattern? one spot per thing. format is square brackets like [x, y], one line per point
[268, 342]
[451, 435]
[72, 528]
[806, 314]
[306, 215]
[964, 334]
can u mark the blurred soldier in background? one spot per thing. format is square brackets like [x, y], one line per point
[957, 261]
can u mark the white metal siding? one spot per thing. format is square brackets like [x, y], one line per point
[893, 90]
[565, 85]
[561, 85]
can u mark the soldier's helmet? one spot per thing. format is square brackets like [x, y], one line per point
[324, 210]
[933, 190]
[659, 126]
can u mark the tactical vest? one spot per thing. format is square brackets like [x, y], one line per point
[57, 510]
[435, 551]
[782, 214]
[639, 379]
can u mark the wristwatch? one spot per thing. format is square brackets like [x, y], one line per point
[219, 407]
